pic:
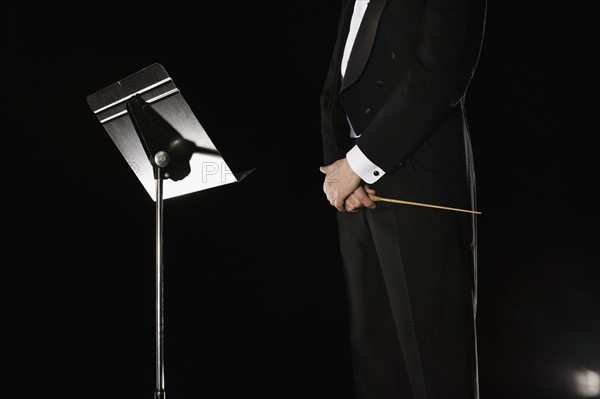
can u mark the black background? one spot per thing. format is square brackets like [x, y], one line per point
[254, 296]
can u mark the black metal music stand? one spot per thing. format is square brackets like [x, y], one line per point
[170, 152]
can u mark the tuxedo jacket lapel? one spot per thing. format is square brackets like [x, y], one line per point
[363, 42]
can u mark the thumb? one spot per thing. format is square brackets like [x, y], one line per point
[323, 169]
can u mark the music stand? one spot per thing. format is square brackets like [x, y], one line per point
[169, 151]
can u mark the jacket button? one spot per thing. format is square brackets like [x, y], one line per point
[368, 111]
[380, 83]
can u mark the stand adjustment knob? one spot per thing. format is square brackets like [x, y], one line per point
[161, 159]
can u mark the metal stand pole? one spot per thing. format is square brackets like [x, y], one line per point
[159, 393]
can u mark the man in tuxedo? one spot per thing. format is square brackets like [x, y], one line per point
[394, 125]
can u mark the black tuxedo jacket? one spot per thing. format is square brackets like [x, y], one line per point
[404, 88]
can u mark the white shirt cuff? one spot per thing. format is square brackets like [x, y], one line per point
[362, 166]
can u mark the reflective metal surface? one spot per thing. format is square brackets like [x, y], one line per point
[208, 169]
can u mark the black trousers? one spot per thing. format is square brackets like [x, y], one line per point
[409, 278]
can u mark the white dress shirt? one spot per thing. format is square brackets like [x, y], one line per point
[358, 161]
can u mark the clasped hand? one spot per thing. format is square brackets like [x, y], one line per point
[345, 189]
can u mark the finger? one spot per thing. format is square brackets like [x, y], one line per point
[364, 199]
[324, 169]
[339, 205]
[353, 202]
[351, 208]
[332, 200]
